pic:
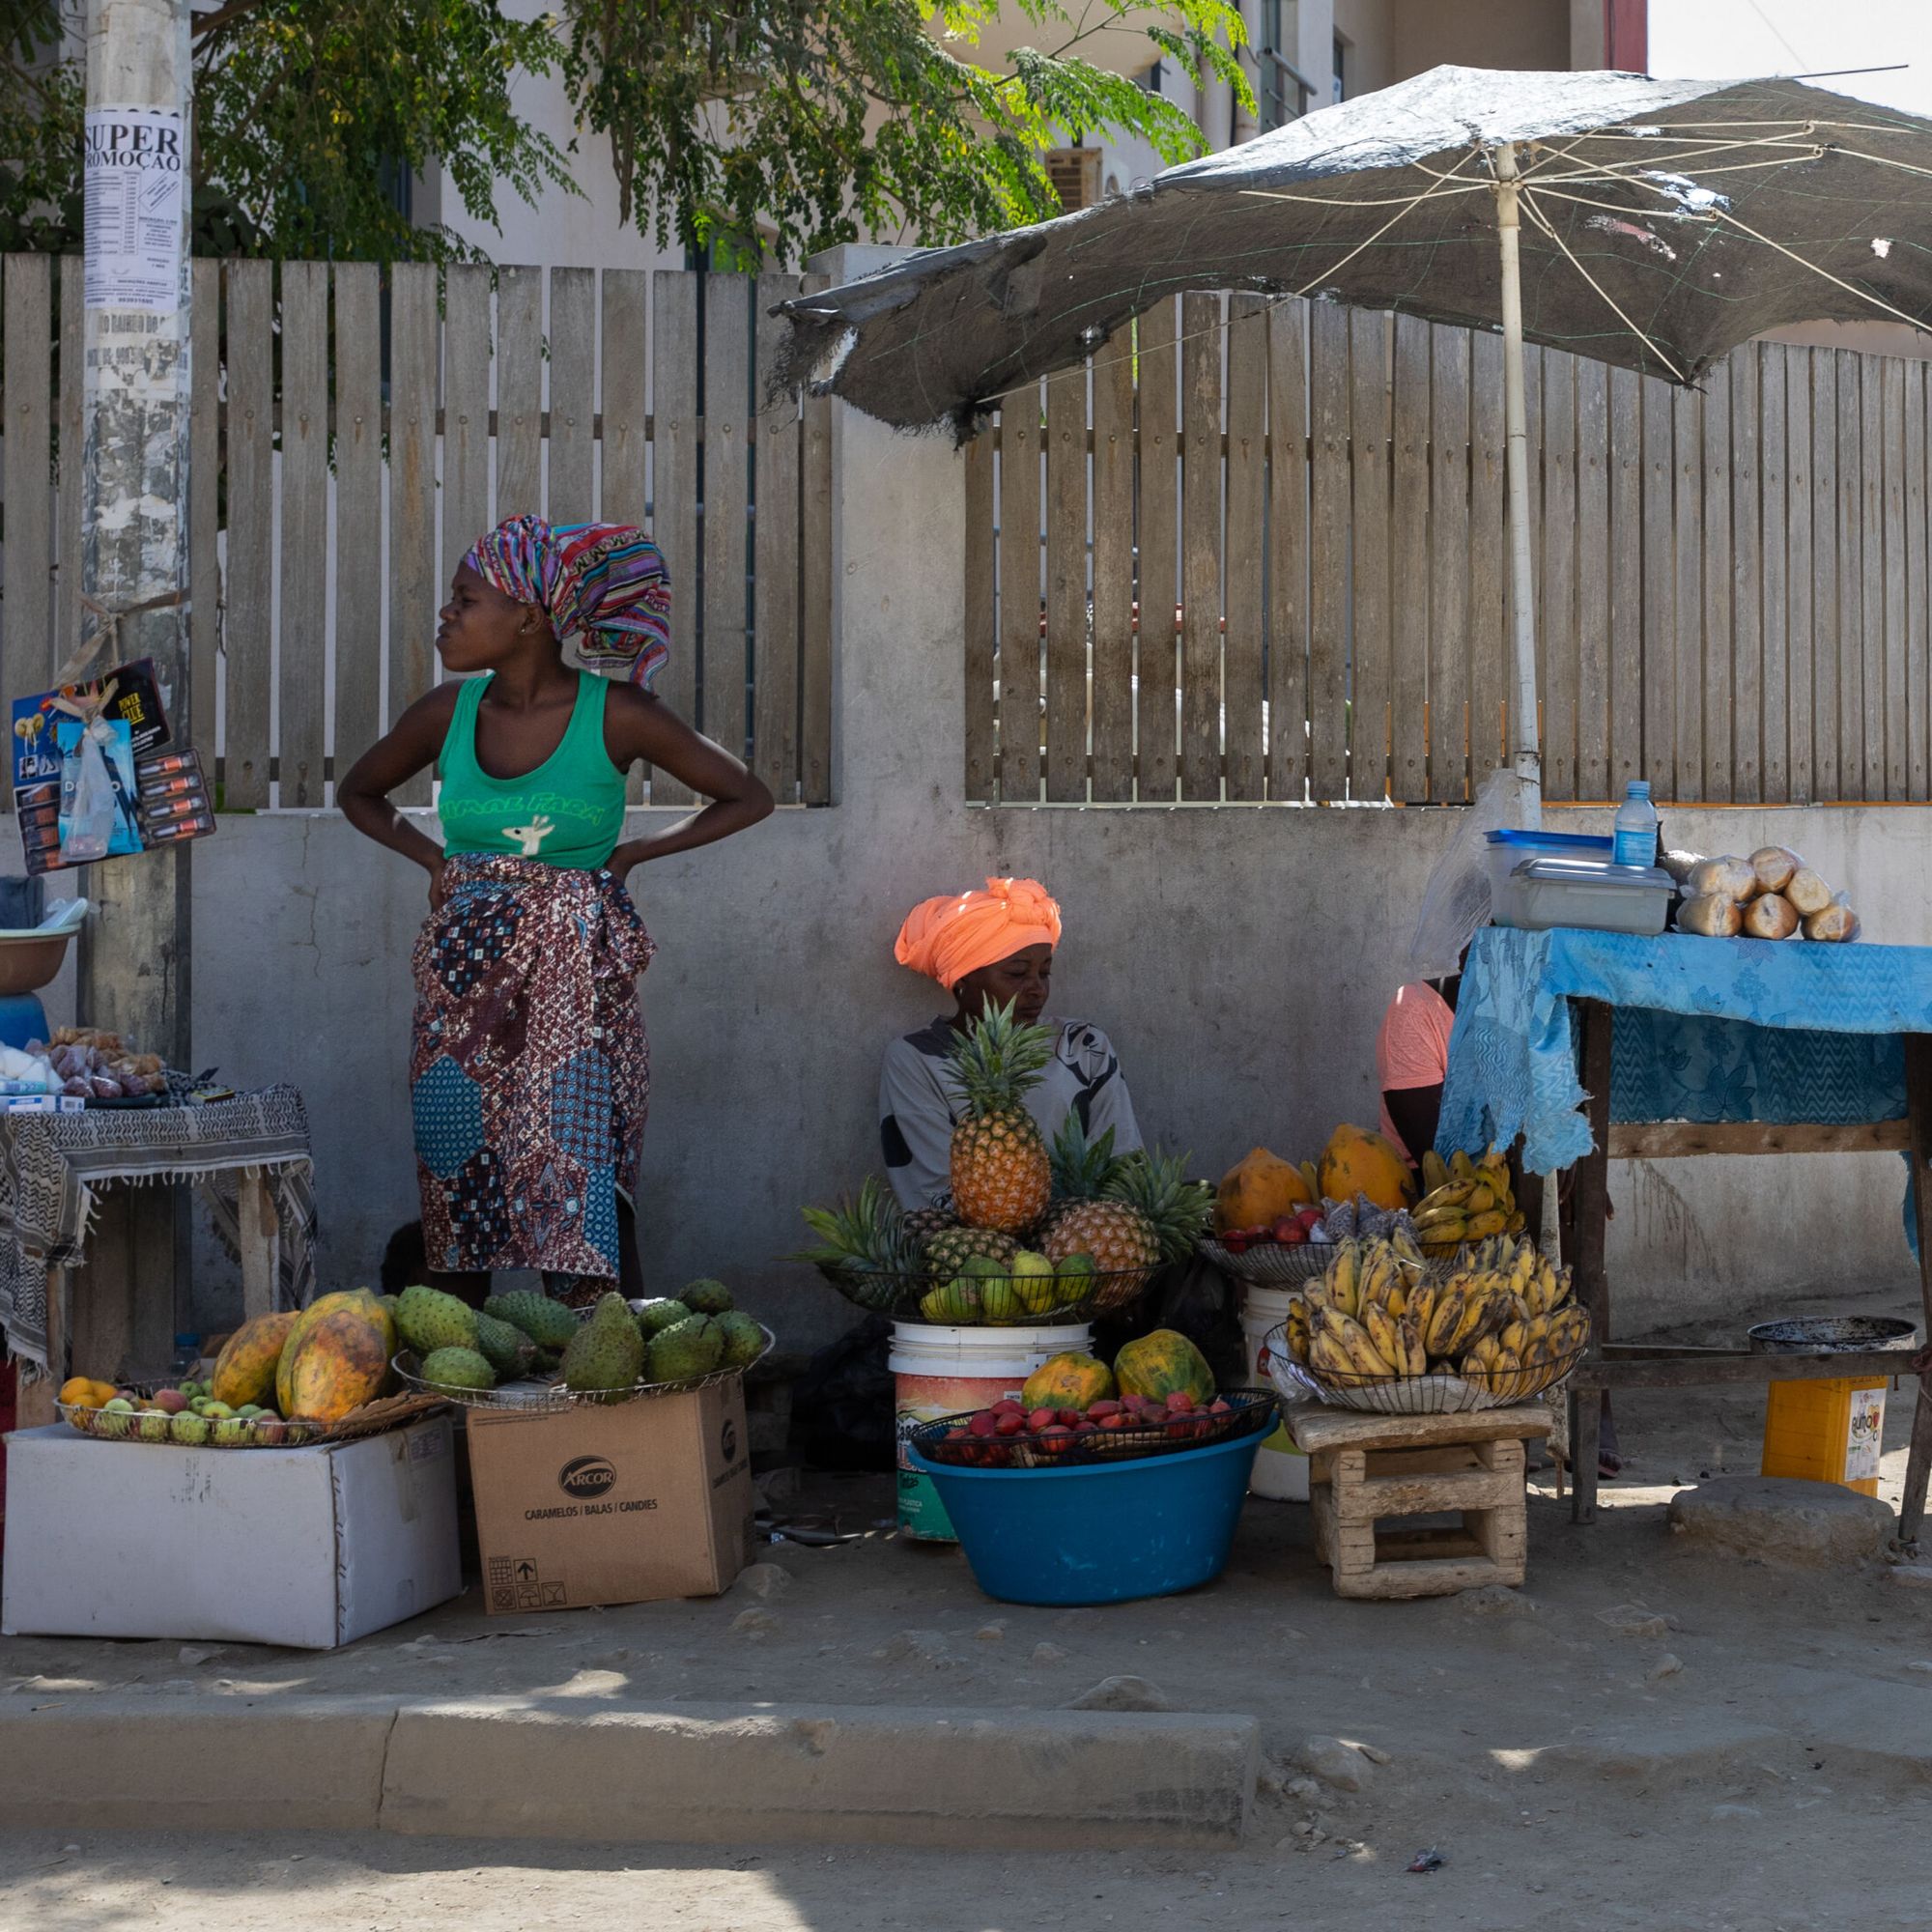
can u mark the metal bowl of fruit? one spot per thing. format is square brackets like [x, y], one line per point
[184, 1416]
[1295, 1249]
[1009, 1437]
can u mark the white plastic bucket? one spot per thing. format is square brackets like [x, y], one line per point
[1281, 1469]
[943, 1370]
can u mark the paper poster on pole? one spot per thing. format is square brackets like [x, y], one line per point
[135, 177]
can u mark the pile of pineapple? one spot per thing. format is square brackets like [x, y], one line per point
[1033, 1231]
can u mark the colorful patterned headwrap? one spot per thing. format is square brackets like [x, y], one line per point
[604, 585]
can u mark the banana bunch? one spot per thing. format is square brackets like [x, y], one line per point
[1468, 1201]
[1506, 1324]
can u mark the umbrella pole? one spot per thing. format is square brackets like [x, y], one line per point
[1526, 757]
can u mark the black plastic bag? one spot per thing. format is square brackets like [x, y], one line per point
[843, 1406]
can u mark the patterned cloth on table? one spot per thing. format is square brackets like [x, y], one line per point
[530, 1075]
[1704, 1030]
[52, 1165]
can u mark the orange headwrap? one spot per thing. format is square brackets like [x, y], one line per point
[948, 938]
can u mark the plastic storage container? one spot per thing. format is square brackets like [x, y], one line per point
[1508, 849]
[943, 1370]
[1099, 1533]
[1586, 892]
[1281, 1469]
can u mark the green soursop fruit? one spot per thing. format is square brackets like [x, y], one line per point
[744, 1338]
[428, 1320]
[549, 1324]
[687, 1350]
[655, 1317]
[458, 1368]
[607, 1352]
[707, 1297]
[506, 1349]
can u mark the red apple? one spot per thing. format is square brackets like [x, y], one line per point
[1309, 1216]
[1296, 1236]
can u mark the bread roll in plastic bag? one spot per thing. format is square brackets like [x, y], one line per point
[1808, 892]
[1711, 916]
[1835, 925]
[1774, 865]
[1728, 878]
[1770, 916]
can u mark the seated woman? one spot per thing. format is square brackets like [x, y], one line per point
[988, 949]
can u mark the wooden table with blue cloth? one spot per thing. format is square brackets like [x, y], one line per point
[1592, 1046]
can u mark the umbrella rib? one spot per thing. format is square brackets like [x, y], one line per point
[1850, 288]
[1543, 221]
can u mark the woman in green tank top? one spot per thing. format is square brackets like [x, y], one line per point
[528, 1068]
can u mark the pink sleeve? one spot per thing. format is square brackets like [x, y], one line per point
[1413, 1050]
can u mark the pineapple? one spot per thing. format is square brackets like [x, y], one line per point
[922, 1224]
[1000, 1175]
[1143, 1211]
[950, 1250]
[864, 1251]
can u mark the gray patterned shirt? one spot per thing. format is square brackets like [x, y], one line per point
[920, 1103]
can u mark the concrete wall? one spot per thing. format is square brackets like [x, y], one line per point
[1529, 34]
[1241, 957]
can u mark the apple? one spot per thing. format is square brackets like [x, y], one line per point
[171, 1400]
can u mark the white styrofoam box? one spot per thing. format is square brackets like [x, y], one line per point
[310, 1548]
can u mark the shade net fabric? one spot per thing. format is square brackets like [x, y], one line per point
[1663, 222]
[1703, 1030]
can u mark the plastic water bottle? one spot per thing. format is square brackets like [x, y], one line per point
[187, 1356]
[1635, 837]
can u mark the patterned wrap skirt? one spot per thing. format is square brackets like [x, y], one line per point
[530, 1075]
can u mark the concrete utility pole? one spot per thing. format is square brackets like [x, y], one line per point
[134, 956]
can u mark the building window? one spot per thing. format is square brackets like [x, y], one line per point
[1341, 67]
[1076, 175]
[1150, 78]
[1279, 87]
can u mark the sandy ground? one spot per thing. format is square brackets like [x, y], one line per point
[1750, 1745]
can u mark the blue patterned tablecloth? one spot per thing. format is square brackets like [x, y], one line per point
[1705, 1030]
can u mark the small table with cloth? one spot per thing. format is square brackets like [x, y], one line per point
[1594, 1046]
[249, 1158]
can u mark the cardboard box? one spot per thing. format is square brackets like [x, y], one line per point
[310, 1548]
[623, 1503]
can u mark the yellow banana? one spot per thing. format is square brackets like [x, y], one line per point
[1355, 1342]
[1311, 1180]
[1452, 1194]
[1326, 1354]
[1482, 1198]
[1479, 1311]
[1517, 1222]
[1446, 1318]
[1415, 1355]
[1421, 1303]
[1295, 1328]
[1385, 1333]
[1492, 1222]
[1569, 1329]
[1344, 1276]
[1510, 1382]
[1434, 1174]
[1514, 1335]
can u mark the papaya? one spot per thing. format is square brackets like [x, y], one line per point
[1068, 1382]
[319, 1310]
[245, 1371]
[338, 1362]
[1157, 1364]
[1258, 1190]
[1356, 1162]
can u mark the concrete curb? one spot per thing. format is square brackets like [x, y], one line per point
[693, 1774]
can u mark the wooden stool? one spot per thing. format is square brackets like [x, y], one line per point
[1363, 1468]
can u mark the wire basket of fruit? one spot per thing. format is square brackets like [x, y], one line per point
[1274, 1257]
[1378, 1333]
[531, 1352]
[184, 1415]
[1016, 1203]
[1008, 1437]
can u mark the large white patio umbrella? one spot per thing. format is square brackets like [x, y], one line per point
[1654, 224]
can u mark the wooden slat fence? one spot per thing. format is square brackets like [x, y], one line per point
[354, 433]
[1258, 553]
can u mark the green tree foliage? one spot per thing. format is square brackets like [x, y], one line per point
[773, 126]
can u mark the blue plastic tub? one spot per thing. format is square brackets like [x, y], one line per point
[1099, 1533]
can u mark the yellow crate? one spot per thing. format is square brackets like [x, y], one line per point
[1826, 1432]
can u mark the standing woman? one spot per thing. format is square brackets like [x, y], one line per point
[529, 1071]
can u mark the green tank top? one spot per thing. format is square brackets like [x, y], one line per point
[568, 812]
